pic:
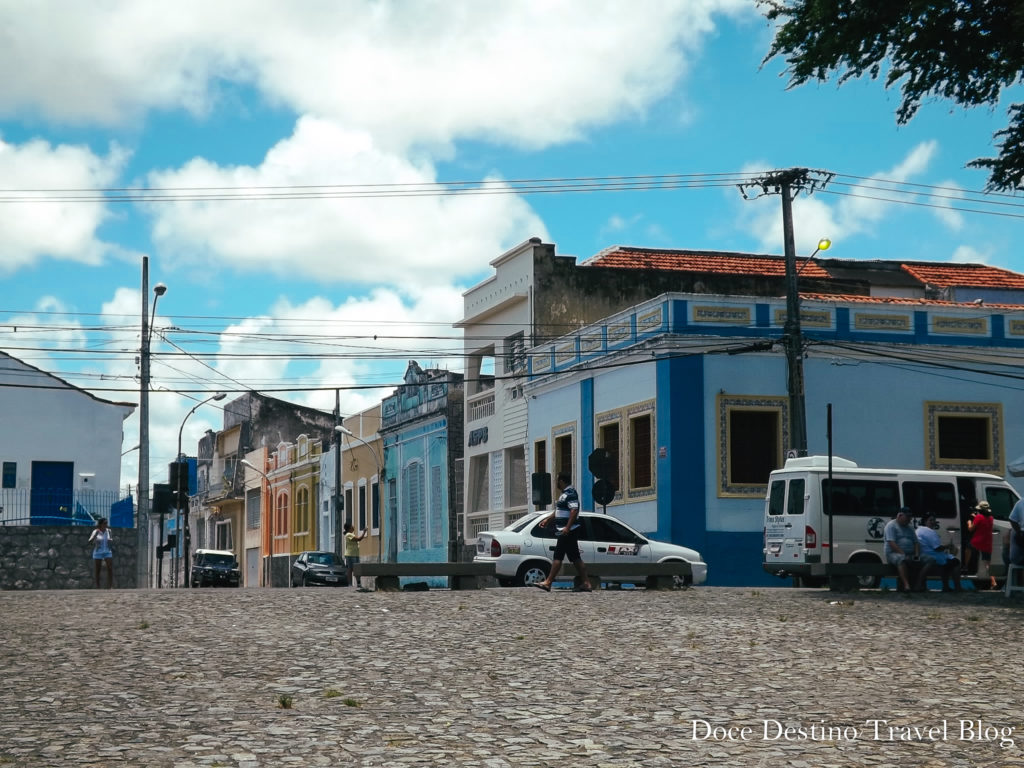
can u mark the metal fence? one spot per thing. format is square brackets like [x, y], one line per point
[43, 506]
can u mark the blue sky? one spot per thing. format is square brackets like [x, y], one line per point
[136, 93]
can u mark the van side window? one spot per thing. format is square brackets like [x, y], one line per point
[795, 505]
[777, 497]
[1001, 500]
[938, 498]
[868, 498]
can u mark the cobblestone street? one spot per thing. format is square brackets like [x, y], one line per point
[509, 677]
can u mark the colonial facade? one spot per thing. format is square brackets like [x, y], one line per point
[421, 429]
[687, 389]
[255, 427]
[362, 473]
[689, 395]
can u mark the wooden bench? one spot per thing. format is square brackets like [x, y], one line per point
[460, 575]
[653, 575]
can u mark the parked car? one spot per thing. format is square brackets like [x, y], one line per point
[521, 552]
[324, 569]
[215, 568]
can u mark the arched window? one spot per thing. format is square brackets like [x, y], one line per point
[302, 512]
[281, 518]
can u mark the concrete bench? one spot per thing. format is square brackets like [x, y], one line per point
[460, 575]
[651, 575]
[843, 576]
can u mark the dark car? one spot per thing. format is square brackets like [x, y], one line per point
[215, 568]
[324, 569]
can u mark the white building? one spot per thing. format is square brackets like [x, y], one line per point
[60, 449]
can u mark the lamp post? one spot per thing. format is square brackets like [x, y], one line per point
[380, 486]
[182, 495]
[142, 569]
[268, 571]
[793, 337]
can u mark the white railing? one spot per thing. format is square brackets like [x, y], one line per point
[480, 406]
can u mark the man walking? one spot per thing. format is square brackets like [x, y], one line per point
[568, 529]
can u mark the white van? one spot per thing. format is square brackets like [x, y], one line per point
[796, 523]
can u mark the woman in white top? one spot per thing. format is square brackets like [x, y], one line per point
[100, 539]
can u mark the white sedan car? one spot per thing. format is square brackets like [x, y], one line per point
[521, 553]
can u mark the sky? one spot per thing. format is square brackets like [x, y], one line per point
[264, 154]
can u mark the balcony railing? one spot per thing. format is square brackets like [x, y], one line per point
[480, 406]
[48, 506]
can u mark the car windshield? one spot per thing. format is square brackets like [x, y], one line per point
[322, 558]
[218, 560]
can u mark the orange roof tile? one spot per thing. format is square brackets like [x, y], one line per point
[974, 275]
[701, 261]
[830, 298]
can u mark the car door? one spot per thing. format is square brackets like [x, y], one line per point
[544, 540]
[613, 542]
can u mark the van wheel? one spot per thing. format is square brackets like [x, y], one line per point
[844, 583]
[867, 582]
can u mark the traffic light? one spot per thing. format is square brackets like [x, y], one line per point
[162, 498]
[540, 483]
[606, 473]
[177, 471]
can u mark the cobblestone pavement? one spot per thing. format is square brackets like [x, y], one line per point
[509, 677]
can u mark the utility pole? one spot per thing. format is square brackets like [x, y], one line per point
[142, 520]
[789, 183]
[339, 537]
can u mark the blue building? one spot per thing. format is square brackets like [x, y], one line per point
[688, 392]
[421, 429]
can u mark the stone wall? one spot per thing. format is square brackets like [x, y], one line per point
[60, 557]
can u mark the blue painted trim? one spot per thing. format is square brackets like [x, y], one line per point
[680, 431]
[584, 481]
[680, 315]
[998, 329]
[734, 560]
[762, 315]
[920, 327]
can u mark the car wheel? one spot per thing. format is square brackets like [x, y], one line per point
[304, 582]
[530, 573]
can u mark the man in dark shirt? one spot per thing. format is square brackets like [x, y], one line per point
[568, 528]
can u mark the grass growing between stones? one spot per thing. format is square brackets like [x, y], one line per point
[284, 701]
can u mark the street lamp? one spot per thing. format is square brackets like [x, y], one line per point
[268, 571]
[380, 486]
[793, 338]
[142, 569]
[182, 493]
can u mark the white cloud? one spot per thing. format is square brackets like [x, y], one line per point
[966, 254]
[309, 347]
[396, 240]
[530, 72]
[859, 212]
[950, 195]
[62, 230]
